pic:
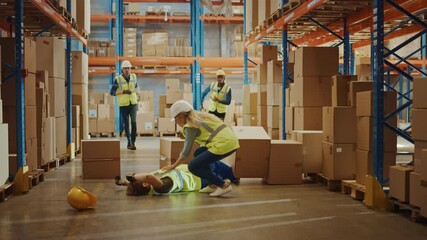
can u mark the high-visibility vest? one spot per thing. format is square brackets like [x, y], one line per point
[216, 136]
[126, 99]
[219, 107]
[183, 180]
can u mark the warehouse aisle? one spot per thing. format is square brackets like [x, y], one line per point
[251, 211]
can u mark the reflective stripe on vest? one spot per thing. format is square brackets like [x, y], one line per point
[219, 107]
[211, 131]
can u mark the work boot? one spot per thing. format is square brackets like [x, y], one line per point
[129, 145]
[132, 146]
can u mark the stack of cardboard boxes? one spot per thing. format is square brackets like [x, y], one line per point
[179, 49]
[80, 91]
[101, 113]
[100, 154]
[173, 94]
[145, 115]
[155, 43]
[418, 178]
[363, 68]
[9, 100]
[364, 112]
[129, 42]
[4, 139]
[249, 105]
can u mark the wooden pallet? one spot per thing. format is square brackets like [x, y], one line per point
[133, 13]
[64, 159]
[99, 135]
[154, 67]
[398, 205]
[35, 177]
[67, 15]
[151, 134]
[167, 134]
[310, 178]
[181, 14]
[151, 13]
[330, 184]
[290, 6]
[6, 191]
[356, 190]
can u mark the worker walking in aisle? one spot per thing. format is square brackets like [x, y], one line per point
[126, 88]
[216, 140]
[220, 95]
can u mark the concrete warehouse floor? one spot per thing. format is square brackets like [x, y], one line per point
[252, 211]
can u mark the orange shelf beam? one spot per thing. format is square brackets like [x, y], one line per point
[205, 62]
[161, 71]
[58, 19]
[169, 19]
[180, 1]
[360, 21]
[299, 11]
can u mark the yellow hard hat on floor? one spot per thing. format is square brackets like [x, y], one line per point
[80, 199]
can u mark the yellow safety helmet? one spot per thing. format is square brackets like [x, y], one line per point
[220, 73]
[80, 199]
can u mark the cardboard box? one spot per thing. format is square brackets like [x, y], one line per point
[308, 118]
[419, 96]
[312, 92]
[363, 72]
[1, 111]
[145, 122]
[356, 87]
[262, 73]
[252, 158]
[262, 116]
[76, 137]
[419, 129]
[8, 89]
[172, 84]
[415, 189]
[365, 135]
[365, 103]
[268, 53]
[273, 116]
[311, 150]
[289, 119]
[101, 149]
[49, 140]
[339, 124]
[80, 65]
[170, 149]
[57, 97]
[75, 116]
[173, 96]
[399, 182]
[340, 89]
[61, 138]
[31, 150]
[316, 62]
[423, 166]
[274, 71]
[83, 15]
[250, 120]
[4, 153]
[273, 133]
[249, 99]
[105, 125]
[252, 14]
[262, 95]
[93, 111]
[285, 162]
[365, 164]
[29, 52]
[339, 161]
[51, 56]
[93, 125]
[274, 94]
[165, 125]
[30, 121]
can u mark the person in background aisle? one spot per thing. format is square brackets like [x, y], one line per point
[220, 96]
[126, 88]
[216, 140]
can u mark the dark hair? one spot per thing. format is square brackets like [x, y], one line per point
[137, 189]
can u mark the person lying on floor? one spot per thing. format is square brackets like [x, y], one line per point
[179, 179]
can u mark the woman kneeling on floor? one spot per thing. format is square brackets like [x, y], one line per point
[179, 179]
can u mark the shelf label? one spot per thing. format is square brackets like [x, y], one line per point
[271, 29]
[289, 17]
[310, 5]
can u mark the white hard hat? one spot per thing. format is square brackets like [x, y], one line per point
[220, 73]
[179, 107]
[126, 64]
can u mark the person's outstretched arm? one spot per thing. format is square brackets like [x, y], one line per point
[148, 178]
[227, 99]
[190, 135]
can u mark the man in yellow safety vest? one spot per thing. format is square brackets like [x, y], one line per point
[125, 87]
[220, 95]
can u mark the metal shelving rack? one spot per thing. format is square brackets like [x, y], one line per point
[354, 31]
[57, 25]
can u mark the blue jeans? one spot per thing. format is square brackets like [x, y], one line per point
[209, 168]
[127, 111]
